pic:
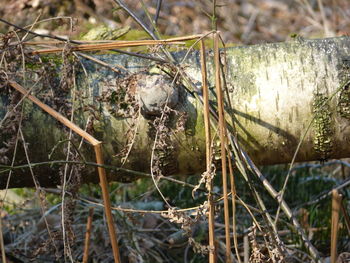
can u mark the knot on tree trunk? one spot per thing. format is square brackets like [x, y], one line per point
[155, 92]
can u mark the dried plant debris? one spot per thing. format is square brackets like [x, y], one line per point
[141, 236]
[191, 226]
[263, 251]
[118, 96]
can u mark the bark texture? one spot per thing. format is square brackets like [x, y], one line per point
[274, 90]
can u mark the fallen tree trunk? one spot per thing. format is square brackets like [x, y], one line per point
[275, 92]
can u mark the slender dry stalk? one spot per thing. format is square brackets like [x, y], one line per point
[106, 46]
[106, 200]
[220, 102]
[99, 160]
[87, 235]
[336, 204]
[211, 219]
[119, 44]
[232, 179]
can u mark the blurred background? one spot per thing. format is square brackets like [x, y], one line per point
[240, 21]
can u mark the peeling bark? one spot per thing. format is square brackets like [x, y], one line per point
[275, 91]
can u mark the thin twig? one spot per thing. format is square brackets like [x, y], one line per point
[8, 168]
[35, 181]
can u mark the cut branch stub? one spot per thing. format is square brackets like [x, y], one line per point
[155, 92]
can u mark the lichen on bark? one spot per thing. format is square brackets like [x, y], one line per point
[344, 96]
[323, 126]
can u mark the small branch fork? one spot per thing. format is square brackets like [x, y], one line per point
[99, 160]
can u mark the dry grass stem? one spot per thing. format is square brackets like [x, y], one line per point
[107, 46]
[107, 203]
[118, 44]
[220, 101]
[211, 216]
